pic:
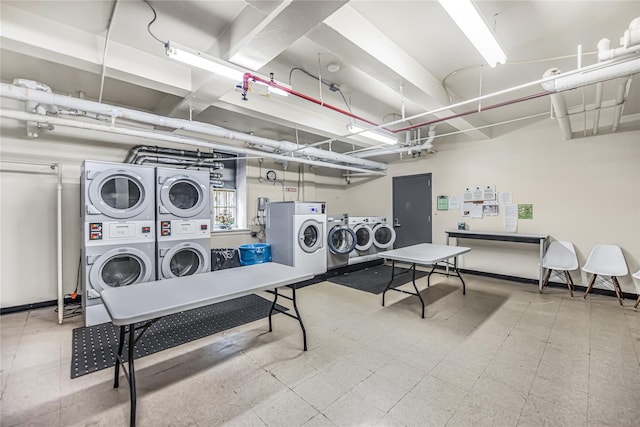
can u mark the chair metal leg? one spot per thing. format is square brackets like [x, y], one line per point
[618, 290]
[593, 279]
[569, 282]
[637, 302]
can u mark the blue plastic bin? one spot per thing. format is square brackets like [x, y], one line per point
[255, 253]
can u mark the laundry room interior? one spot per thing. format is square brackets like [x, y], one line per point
[507, 188]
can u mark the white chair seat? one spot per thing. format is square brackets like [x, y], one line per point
[603, 261]
[560, 256]
[606, 260]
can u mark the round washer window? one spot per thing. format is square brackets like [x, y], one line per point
[184, 195]
[121, 270]
[310, 236]
[121, 192]
[184, 263]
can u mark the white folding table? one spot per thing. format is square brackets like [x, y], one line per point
[146, 303]
[423, 254]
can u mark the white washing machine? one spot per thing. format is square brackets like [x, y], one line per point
[384, 236]
[118, 237]
[296, 232]
[183, 222]
[341, 240]
[364, 239]
[117, 259]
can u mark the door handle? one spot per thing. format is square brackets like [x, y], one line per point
[396, 223]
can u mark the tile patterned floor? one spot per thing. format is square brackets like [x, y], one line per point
[503, 355]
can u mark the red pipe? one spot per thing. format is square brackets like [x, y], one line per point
[273, 83]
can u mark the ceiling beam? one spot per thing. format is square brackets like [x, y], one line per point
[349, 35]
[34, 35]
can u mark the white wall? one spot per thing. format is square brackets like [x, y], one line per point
[586, 191]
[28, 206]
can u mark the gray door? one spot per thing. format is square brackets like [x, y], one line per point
[412, 209]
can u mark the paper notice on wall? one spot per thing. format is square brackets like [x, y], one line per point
[443, 203]
[477, 195]
[476, 210]
[466, 209]
[510, 224]
[510, 220]
[504, 198]
[489, 193]
[454, 203]
[467, 196]
[490, 208]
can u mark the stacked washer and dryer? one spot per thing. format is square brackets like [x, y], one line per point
[139, 224]
[296, 232]
[118, 231]
[183, 220]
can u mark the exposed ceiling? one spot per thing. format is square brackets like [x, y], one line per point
[395, 57]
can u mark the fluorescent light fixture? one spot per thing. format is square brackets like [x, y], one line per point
[277, 91]
[204, 62]
[466, 16]
[373, 135]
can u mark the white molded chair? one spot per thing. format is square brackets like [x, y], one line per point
[637, 276]
[606, 261]
[560, 258]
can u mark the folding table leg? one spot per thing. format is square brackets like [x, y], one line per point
[132, 374]
[298, 317]
[393, 269]
[116, 378]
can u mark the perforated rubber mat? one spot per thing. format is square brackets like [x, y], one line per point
[95, 347]
[374, 279]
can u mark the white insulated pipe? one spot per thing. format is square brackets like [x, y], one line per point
[597, 105]
[587, 76]
[158, 136]
[25, 94]
[560, 107]
[624, 85]
[428, 143]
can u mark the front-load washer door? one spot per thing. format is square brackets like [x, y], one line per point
[120, 267]
[184, 259]
[118, 193]
[183, 196]
[364, 236]
[341, 240]
[384, 236]
[310, 236]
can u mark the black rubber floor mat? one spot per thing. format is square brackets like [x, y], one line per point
[374, 279]
[95, 347]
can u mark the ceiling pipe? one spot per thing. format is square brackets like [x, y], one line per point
[26, 94]
[597, 105]
[560, 108]
[143, 149]
[412, 149]
[587, 76]
[178, 139]
[624, 86]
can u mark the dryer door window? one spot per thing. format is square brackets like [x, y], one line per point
[384, 236]
[183, 197]
[341, 240]
[184, 263]
[120, 267]
[118, 193]
[184, 259]
[364, 237]
[310, 236]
